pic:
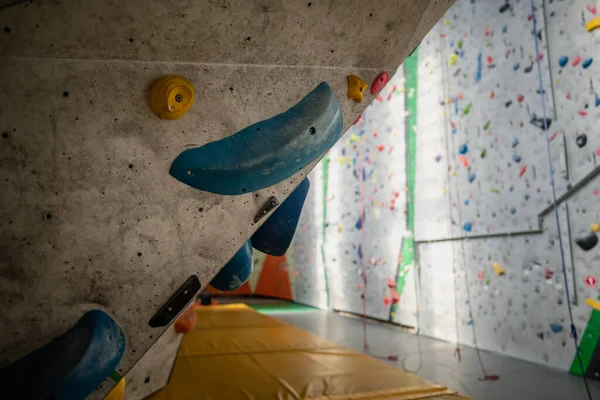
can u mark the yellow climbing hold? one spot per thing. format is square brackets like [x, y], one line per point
[117, 392]
[595, 304]
[356, 88]
[500, 270]
[592, 24]
[595, 227]
[171, 96]
[453, 59]
[354, 138]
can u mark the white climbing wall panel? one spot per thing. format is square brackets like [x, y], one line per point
[367, 171]
[493, 204]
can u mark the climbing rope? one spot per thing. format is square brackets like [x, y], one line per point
[486, 376]
[555, 203]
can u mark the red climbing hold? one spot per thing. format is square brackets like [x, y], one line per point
[523, 170]
[464, 161]
[553, 136]
[486, 31]
[549, 273]
[386, 301]
[379, 82]
[395, 298]
[591, 8]
[520, 98]
[490, 59]
[390, 282]
[380, 148]
[591, 281]
[576, 61]
[583, 113]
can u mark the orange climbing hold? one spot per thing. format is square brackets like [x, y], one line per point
[595, 227]
[171, 97]
[356, 88]
[187, 321]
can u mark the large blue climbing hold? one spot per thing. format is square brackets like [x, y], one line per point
[71, 366]
[236, 272]
[267, 152]
[275, 235]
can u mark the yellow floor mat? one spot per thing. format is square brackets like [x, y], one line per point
[237, 353]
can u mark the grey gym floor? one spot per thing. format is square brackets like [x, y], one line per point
[518, 379]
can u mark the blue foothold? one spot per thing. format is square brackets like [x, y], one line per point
[468, 226]
[526, 197]
[587, 63]
[515, 143]
[467, 202]
[516, 66]
[463, 149]
[556, 328]
[516, 158]
[471, 178]
[513, 210]
[563, 61]
[237, 270]
[596, 100]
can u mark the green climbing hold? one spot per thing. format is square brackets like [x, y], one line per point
[487, 125]
[483, 153]
[467, 109]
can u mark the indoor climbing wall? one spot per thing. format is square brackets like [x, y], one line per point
[487, 243]
[366, 205]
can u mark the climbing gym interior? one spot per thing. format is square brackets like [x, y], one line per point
[322, 199]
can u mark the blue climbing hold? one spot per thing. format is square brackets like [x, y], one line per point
[526, 197]
[360, 221]
[596, 100]
[516, 158]
[516, 66]
[513, 210]
[468, 227]
[72, 365]
[587, 63]
[275, 235]
[515, 142]
[479, 67]
[563, 61]
[467, 202]
[237, 270]
[267, 152]
[471, 177]
[463, 149]
[556, 328]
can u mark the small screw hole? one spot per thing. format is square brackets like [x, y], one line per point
[312, 130]
[178, 98]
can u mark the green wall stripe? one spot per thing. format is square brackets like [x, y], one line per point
[410, 100]
[587, 344]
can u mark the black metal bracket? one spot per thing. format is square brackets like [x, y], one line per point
[268, 207]
[176, 303]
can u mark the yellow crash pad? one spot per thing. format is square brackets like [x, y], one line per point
[236, 353]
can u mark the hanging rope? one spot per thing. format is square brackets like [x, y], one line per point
[555, 203]
[486, 376]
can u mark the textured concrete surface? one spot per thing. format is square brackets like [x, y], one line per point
[434, 360]
[90, 216]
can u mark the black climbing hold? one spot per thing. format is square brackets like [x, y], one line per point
[587, 241]
[505, 7]
[581, 140]
[4, 135]
[539, 122]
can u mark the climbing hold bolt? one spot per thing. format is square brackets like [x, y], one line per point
[356, 88]
[171, 96]
[379, 82]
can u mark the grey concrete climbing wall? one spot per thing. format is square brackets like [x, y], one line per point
[488, 248]
[91, 218]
